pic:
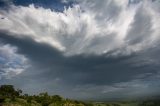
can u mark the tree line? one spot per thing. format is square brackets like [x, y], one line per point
[10, 95]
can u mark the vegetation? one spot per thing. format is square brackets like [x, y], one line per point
[9, 96]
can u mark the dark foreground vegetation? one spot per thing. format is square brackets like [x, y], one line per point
[9, 96]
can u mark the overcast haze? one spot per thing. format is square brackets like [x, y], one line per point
[82, 49]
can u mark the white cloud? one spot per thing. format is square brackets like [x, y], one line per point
[11, 63]
[90, 27]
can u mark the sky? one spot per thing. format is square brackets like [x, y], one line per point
[81, 49]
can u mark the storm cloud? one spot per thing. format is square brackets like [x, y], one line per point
[105, 48]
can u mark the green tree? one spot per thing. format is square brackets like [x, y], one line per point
[44, 99]
[8, 91]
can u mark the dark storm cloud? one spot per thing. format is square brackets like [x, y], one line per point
[80, 69]
[53, 72]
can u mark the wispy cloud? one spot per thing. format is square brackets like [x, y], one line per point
[87, 27]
